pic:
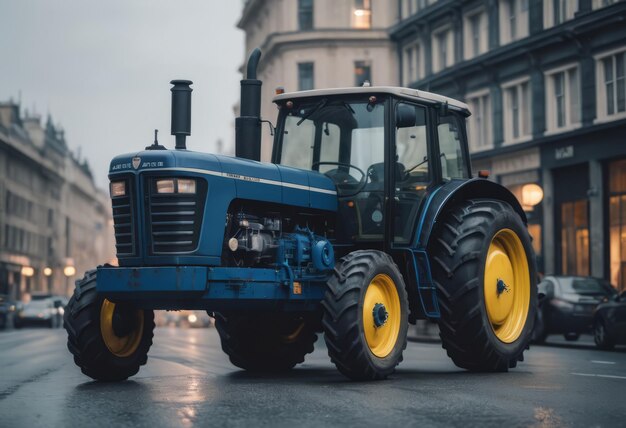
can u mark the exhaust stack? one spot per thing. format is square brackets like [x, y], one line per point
[248, 124]
[181, 111]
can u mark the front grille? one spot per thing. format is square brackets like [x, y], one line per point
[123, 214]
[175, 220]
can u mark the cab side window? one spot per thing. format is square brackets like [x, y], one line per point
[453, 162]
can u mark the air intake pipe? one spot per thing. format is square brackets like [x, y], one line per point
[181, 111]
[248, 124]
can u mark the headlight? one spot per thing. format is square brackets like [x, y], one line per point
[118, 188]
[186, 185]
[165, 186]
[176, 185]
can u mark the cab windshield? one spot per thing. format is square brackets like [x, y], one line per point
[344, 140]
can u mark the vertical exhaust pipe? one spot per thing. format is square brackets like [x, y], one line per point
[248, 124]
[181, 111]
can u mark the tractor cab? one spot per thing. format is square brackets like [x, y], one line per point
[379, 147]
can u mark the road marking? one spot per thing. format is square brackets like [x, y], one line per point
[602, 362]
[599, 375]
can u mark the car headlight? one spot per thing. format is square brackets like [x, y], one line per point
[192, 318]
[118, 188]
[176, 185]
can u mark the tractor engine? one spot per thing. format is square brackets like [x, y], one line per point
[254, 240]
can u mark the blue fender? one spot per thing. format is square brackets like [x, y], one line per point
[444, 197]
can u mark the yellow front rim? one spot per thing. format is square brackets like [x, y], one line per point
[381, 331]
[507, 286]
[125, 345]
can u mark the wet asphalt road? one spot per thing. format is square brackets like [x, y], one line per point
[189, 382]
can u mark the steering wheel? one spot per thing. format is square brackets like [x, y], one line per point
[343, 180]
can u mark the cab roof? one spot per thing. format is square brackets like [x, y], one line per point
[406, 93]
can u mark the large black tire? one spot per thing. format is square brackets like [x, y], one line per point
[458, 250]
[601, 336]
[265, 342]
[85, 338]
[343, 321]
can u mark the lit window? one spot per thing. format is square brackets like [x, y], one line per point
[362, 14]
[563, 99]
[517, 113]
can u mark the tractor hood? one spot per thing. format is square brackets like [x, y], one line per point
[247, 179]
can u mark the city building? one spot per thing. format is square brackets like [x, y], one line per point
[311, 44]
[546, 83]
[54, 222]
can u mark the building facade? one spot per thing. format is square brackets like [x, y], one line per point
[311, 44]
[54, 222]
[546, 83]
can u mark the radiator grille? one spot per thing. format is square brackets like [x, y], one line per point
[123, 222]
[175, 220]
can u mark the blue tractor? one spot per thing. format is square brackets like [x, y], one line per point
[366, 220]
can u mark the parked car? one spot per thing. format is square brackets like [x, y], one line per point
[609, 322]
[39, 311]
[567, 305]
[7, 309]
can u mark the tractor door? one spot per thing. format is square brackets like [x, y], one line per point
[412, 171]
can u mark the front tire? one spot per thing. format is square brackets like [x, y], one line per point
[365, 315]
[109, 341]
[483, 266]
[265, 342]
[601, 336]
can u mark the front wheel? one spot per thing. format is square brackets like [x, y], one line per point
[601, 336]
[109, 341]
[365, 315]
[483, 266]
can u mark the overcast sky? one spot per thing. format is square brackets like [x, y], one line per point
[102, 69]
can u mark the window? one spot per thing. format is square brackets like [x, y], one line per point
[412, 175]
[563, 99]
[479, 123]
[603, 3]
[362, 72]
[305, 76]
[513, 20]
[556, 12]
[611, 80]
[575, 238]
[362, 14]
[475, 34]
[411, 7]
[305, 14]
[443, 49]
[617, 222]
[517, 114]
[412, 64]
[450, 148]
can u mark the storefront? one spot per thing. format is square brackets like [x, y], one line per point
[617, 223]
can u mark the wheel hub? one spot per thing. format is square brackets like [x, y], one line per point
[121, 328]
[380, 315]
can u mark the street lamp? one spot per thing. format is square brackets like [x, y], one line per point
[69, 270]
[532, 194]
[27, 271]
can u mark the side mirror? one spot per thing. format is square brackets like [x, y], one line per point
[405, 116]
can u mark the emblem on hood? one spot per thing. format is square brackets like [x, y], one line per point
[136, 162]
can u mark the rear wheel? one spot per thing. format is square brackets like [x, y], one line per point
[265, 342]
[601, 336]
[109, 341]
[483, 266]
[365, 315]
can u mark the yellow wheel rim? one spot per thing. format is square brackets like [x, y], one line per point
[381, 315]
[507, 286]
[121, 346]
